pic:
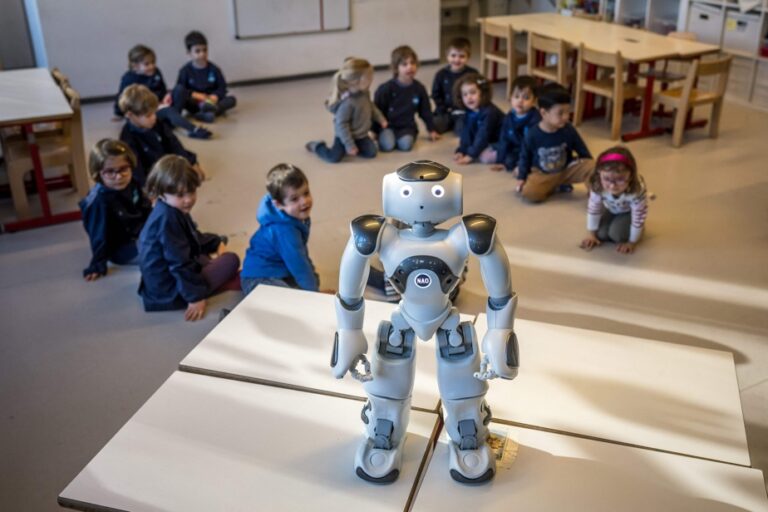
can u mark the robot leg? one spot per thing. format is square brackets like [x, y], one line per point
[386, 413]
[466, 414]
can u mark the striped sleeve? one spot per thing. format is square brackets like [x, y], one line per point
[594, 210]
[639, 208]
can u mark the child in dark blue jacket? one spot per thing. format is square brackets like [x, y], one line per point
[142, 69]
[446, 115]
[278, 252]
[115, 209]
[482, 121]
[201, 87]
[180, 267]
[521, 117]
[149, 137]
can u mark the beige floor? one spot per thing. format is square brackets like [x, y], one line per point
[78, 359]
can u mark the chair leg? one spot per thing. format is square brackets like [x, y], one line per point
[714, 121]
[618, 107]
[677, 132]
[19, 194]
[578, 113]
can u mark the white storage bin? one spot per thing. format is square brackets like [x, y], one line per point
[740, 79]
[706, 21]
[760, 93]
[742, 32]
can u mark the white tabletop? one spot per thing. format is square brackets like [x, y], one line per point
[207, 444]
[285, 336]
[635, 45]
[541, 471]
[30, 95]
[641, 392]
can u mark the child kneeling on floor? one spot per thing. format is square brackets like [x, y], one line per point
[180, 266]
[278, 252]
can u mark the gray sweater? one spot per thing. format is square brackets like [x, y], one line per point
[352, 117]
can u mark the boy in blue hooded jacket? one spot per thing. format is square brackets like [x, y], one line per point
[278, 253]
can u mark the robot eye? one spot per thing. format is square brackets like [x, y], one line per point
[406, 191]
[438, 191]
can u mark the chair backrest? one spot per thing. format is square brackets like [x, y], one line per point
[601, 59]
[720, 68]
[60, 78]
[546, 44]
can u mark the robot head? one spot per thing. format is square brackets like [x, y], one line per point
[422, 191]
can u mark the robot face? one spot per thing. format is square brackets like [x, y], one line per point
[422, 191]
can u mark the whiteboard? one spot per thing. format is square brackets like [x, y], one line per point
[265, 18]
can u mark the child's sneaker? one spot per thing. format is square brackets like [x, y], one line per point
[205, 117]
[311, 146]
[565, 188]
[200, 133]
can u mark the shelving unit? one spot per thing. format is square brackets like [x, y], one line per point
[659, 16]
[742, 35]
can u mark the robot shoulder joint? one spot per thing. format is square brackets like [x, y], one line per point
[480, 229]
[366, 232]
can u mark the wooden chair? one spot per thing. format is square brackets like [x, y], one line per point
[556, 73]
[62, 150]
[587, 16]
[688, 96]
[509, 56]
[612, 87]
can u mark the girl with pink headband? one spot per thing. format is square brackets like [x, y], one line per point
[618, 202]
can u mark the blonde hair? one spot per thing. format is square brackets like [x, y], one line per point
[104, 149]
[350, 73]
[138, 100]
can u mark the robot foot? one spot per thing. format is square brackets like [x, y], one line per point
[472, 466]
[378, 465]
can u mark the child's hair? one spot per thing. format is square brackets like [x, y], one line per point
[400, 55]
[460, 43]
[552, 94]
[172, 174]
[616, 159]
[351, 72]
[195, 38]
[104, 149]
[139, 54]
[486, 93]
[283, 176]
[138, 100]
[523, 82]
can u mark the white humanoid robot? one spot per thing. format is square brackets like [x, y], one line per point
[424, 264]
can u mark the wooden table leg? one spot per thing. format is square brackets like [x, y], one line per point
[647, 108]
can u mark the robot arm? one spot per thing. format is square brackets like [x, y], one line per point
[500, 343]
[350, 345]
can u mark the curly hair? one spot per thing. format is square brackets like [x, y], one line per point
[482, 83]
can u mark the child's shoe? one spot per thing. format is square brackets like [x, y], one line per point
[199, 133]
[311, 146]
[205, 117]
[565, 188]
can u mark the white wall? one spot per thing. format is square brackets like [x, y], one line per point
[89, 39]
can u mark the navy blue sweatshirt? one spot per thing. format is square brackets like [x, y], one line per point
[208, 80]
[169, 248]
[154, 83]
[512, 136]
[112, 219]
[151, 145]
[481, 129]
[400, 103]
[550, 152]
[442, 88]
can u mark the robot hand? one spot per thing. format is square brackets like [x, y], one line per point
[501, 354]
[349, 347]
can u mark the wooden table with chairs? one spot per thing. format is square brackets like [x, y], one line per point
[630, 45]
[29, 97]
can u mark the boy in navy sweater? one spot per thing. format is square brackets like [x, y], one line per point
[201, 87]
[522, 116]
[142, 69]
[547, 160]
[400, 99]
[446, 115]
[278, 252]
[149, 137]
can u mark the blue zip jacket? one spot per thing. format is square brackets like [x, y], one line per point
[208, 80]
[169, 247]
[481, 129]
[154, 83]
[279, 248]
[512, 136]
[151, 145]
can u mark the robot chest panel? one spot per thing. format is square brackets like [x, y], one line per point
[423, 269]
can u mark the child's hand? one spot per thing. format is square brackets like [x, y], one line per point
[212, 98]
[515, 172]
[519, 186]
[384, 124]
[464, 160]
[353, 151]
[92, 276]
[167, 100]
[198, 96]
[626, 248]
[497, 167]
[221, 249]
[433, 135]
[591, 241]
[195, 311]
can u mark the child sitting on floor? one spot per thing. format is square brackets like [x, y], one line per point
[547, 160]
[180, 267]
[353, 111]
[278, 252]
[142, 69]
[201, 87]
[482, 120]
[446, 115]
[115, 209]
[149, 137]
[521, 117]
[400, 99]
[618, 203]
